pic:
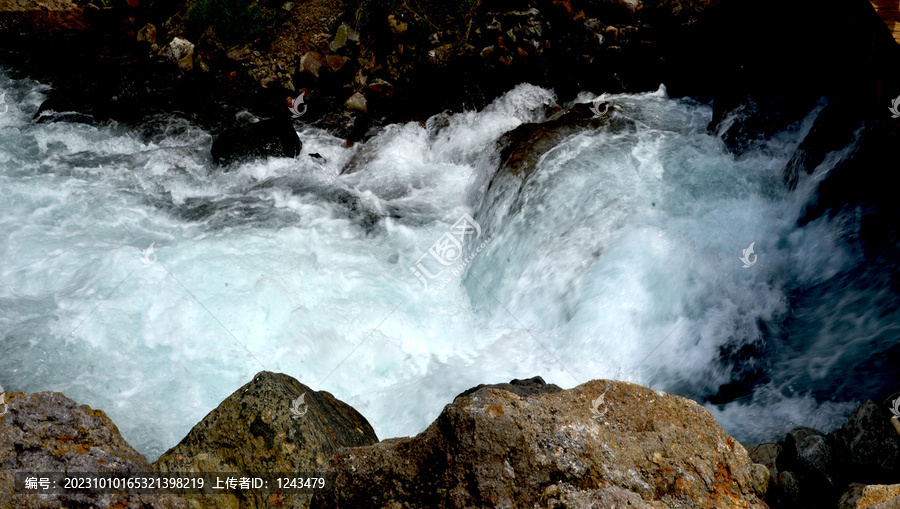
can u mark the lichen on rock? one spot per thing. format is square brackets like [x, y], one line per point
[273, 424]
[494, 448]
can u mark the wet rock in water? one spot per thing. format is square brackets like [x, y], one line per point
[832, 130]
[273, 424]
[523, 147]
[596, 445]
[63, 107]
[48, 432]
[266, 138]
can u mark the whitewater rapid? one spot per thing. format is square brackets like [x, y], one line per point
[619, 257]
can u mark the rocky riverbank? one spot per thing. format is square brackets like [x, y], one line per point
[360, 62]
[602, 444]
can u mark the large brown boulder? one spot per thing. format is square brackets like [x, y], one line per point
[601, 444]
[264, 427]
[48, 432]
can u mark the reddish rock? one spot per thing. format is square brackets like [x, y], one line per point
[336, 62]
[381, 88]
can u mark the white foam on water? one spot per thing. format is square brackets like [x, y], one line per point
[618, 257]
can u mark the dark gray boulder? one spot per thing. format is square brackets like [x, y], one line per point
[267, 138]
[870, 445]
[519, 387]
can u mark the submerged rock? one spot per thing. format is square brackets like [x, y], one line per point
[273, 424]
[523, 147]
[48, 432]
[266, 138]
[601, 444]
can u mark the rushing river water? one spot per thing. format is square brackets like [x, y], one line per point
[619, 257]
